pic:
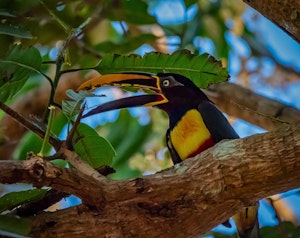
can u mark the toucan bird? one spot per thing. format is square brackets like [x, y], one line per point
[195, 123]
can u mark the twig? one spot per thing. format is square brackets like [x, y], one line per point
[56, 143]
[69, 140]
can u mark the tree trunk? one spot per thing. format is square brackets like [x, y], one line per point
[284, 13]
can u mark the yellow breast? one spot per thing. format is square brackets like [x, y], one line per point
[189, 134]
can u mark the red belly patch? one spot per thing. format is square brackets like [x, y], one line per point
[204, 146]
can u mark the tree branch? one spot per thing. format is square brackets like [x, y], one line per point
[184, 201]
[285, 14]
[245, 104]
[29, 125]
[39, 172]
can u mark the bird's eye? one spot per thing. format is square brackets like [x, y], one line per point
[166, 83]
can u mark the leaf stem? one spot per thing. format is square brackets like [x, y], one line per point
[69, 140]
[76, 70]
[48, 131]
[59, 63]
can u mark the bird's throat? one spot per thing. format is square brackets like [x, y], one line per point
[190, 136]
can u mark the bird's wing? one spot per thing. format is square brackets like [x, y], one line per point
[174, 155]
[216, 122]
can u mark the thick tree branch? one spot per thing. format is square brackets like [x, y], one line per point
[285, 14]
[245, 104]
[184, 201]
[39, 172]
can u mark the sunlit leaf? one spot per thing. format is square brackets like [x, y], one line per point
[71, 106]
[15, 69]
[14, 199]
[92, 148]
[203, 69]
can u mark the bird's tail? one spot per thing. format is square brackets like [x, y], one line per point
[246, 222]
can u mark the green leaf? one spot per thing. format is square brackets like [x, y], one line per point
[17, 31]
[127, 136]
[72, 106]
[290, 230]
[203, 69]
[132, 11]
[128, 46]
[92, 148]
[6, 13]
[11, 226]
[14, 199]
[15, 69]
[190, 30]
[215, 234]
[211, 25]
[29, 142]
[189, 3]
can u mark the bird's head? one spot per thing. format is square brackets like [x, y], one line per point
[170, 91]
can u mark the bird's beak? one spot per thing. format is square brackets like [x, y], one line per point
[139, 80]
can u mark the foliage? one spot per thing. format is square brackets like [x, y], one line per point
[14, 199]
[12, 226]
[15, 69]
[92, 148]
[201, 69]
[31, 142]
[136, 135]
[72, 107]
[282, 229]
